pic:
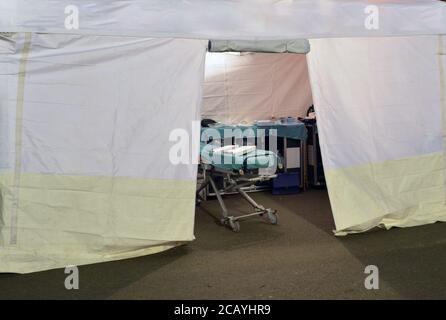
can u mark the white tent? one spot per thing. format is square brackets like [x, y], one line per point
[87, 114]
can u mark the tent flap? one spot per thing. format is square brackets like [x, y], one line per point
[85, 173]
[380, 123]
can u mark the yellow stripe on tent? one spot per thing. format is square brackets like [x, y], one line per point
[97, 218]
[394, 193]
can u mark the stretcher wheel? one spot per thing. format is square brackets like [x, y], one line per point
[235, 225]
[272, 216]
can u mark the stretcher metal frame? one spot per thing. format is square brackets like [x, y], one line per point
[239, 182]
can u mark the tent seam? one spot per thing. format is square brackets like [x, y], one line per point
[442, 83]
[18, 136]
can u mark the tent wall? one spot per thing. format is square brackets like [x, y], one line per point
[227, 19]
[381, 113]
[255, 86]
[84, 156]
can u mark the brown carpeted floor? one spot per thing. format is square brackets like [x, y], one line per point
[297, 259]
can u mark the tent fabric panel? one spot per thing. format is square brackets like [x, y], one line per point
[396, 193]
[75, 220]
[369, 91]
[105, 90]
[255, 86]
[94, 181]
[227, 19]
[380, 116]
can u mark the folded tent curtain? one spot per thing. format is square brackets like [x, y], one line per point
[301, 46]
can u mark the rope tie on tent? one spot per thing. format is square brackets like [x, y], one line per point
[18, 136]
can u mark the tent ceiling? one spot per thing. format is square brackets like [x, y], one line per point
[227, 20]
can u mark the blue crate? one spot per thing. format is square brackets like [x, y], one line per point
[286, 183]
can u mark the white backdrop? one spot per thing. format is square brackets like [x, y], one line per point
[255, 86]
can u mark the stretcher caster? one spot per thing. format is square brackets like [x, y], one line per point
[272, 216]
[234, 225]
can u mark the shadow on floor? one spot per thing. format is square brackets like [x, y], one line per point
[312, 205]
[412, 261]
[254, 231]
[97, 281]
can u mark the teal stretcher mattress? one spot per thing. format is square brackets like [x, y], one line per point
[257, 159]
[296, 131]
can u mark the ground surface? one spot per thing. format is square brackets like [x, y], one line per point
[299, 258]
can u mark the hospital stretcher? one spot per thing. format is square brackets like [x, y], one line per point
[241, 172]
